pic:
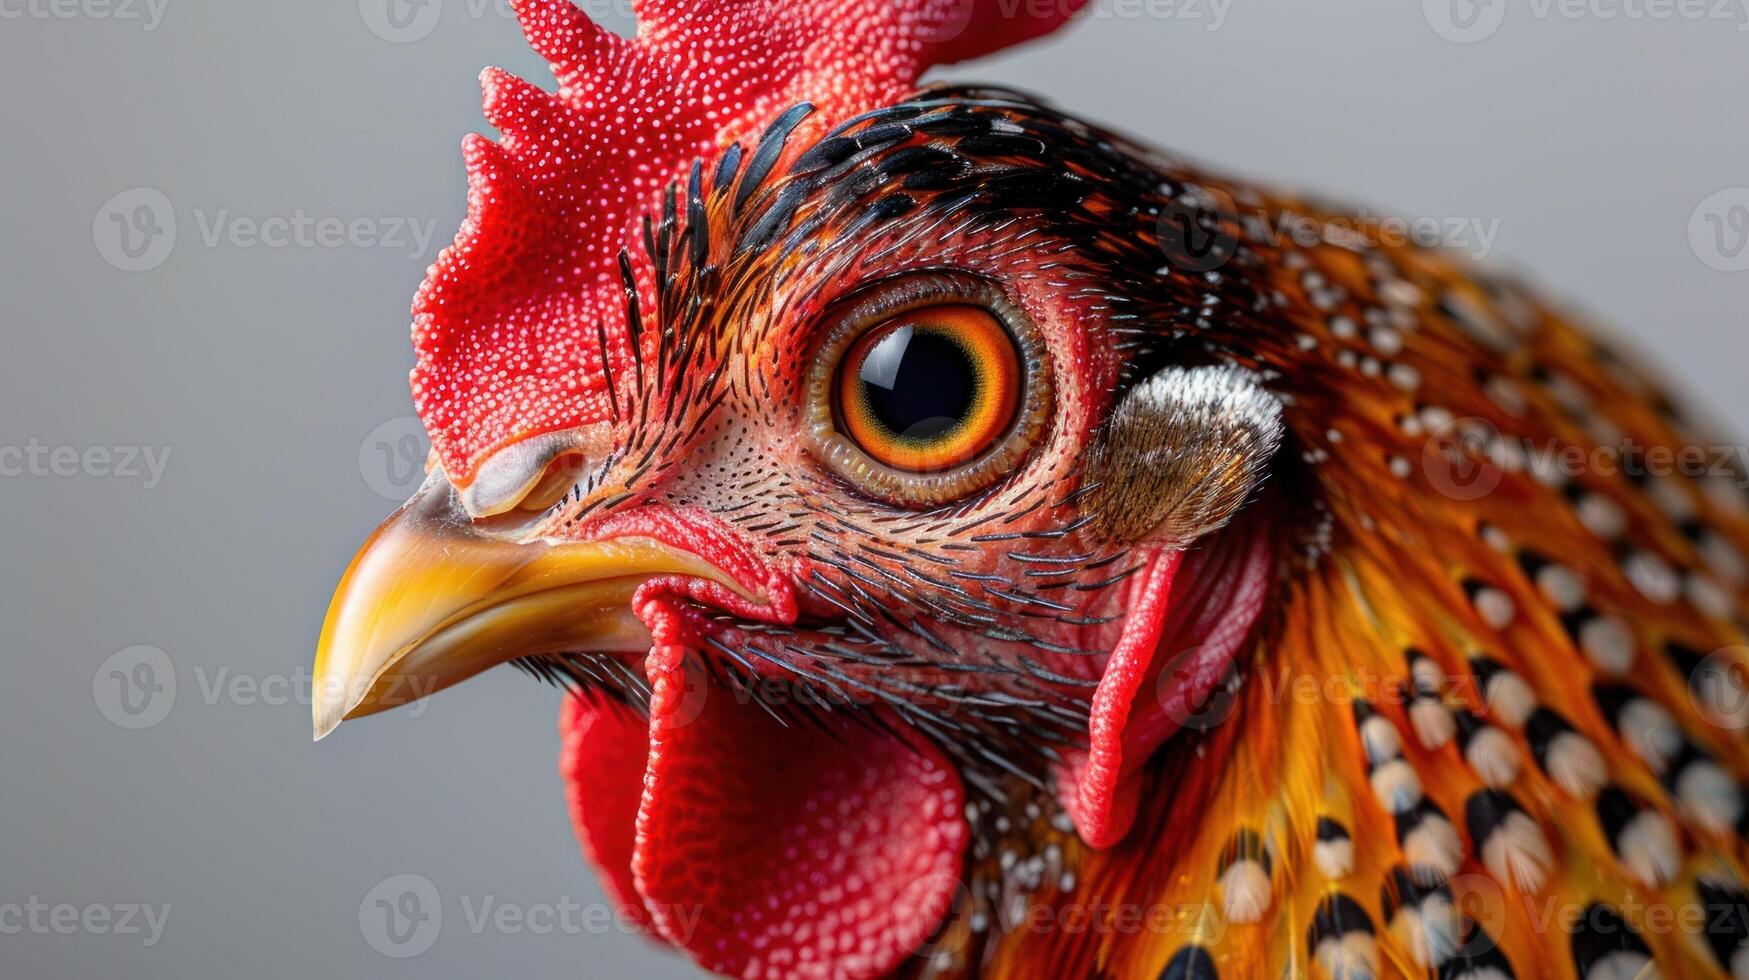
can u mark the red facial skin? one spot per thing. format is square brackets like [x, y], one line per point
[505, 324]
[761, 850]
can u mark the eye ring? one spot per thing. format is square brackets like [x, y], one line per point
[941, 460]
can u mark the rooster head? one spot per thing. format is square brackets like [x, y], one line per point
[805, 424]
[905, 483]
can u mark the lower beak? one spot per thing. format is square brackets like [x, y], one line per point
[431, 600]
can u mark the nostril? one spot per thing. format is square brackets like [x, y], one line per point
[533, 473]
[556, 480]
[530, 513]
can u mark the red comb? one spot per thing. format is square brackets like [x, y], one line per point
[507, 327]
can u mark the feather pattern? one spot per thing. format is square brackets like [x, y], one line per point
[1415, 748]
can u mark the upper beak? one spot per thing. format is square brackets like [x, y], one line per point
[431, 600]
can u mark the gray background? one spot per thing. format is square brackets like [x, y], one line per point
[264, 372]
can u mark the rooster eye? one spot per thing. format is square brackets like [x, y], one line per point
[927, 389]
[930, 389]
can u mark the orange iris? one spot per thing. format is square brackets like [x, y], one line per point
[930, 389]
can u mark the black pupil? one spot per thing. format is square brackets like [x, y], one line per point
[918, 385]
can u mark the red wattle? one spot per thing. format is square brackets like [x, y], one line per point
[769, 852]
[760, 850]
[1189, 613]
[604, 750]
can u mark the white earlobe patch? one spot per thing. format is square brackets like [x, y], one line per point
[1182, 453]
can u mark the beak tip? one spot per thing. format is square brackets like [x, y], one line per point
[326, 714]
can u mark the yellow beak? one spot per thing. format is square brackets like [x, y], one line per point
[431, 600]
